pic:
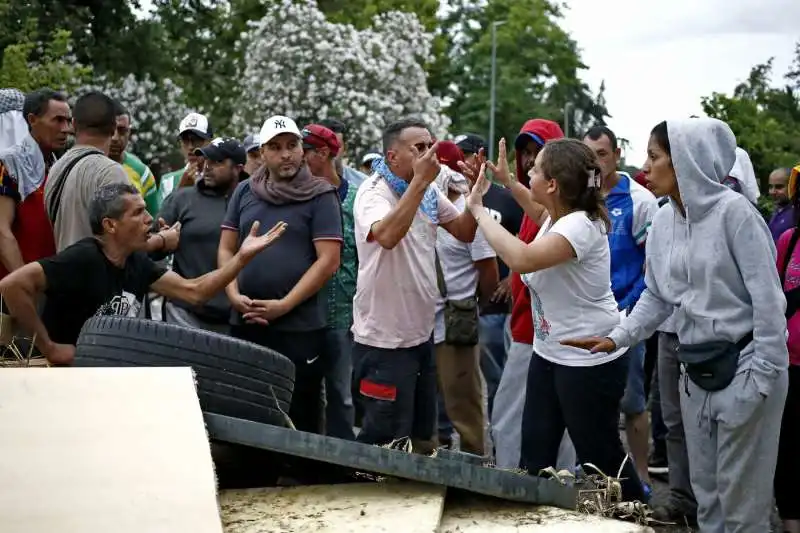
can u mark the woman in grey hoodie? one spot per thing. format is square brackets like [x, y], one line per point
[711, 260]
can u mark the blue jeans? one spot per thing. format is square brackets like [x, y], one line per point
[492, 332]
[339, 411]
[634, 401]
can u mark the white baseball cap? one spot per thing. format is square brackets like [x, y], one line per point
[197, 124]
[276, 125]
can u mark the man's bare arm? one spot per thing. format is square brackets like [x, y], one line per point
[10, 255]
[463, 227]
[326, 265]
[228, 246]
[391, 229]
[488, 278]
[20, 290]
[199, 290]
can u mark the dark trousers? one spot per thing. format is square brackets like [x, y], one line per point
[397, 392]
[585, 401]
[788, 470]
[658, 429]
[304, 348]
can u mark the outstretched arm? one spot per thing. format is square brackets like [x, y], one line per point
[199, 290]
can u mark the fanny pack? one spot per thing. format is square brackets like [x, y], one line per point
[460, 316]
[712, 365]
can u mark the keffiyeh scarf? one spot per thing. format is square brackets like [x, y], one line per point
[430, 201]
[19, 153]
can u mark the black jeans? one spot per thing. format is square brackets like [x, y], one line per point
[304, 348]
[788, 468]
[585, 401]
[397, 391]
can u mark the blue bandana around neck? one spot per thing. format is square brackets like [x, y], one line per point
[430, 201]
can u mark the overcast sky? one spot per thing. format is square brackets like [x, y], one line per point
[658, 57]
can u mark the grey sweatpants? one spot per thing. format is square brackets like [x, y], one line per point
[669, 382]
[732, 440]
[509, 403]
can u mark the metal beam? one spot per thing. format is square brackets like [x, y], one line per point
[450, 471]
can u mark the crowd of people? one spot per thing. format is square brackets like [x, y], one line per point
[419, 299]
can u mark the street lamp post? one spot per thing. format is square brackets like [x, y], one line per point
[567, 108]
[493, 96]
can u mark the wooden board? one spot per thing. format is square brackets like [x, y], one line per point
[484, 515]
[100, 450]
[352, 508]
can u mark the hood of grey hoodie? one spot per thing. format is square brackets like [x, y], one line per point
[716, 266]
[703, 154]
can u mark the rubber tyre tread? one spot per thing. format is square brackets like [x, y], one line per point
[234, 377]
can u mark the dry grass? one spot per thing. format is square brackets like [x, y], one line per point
[13, 356]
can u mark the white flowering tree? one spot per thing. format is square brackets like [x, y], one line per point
[301, 65]
[156, 109]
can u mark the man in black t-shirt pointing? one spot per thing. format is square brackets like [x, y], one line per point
[109, 274]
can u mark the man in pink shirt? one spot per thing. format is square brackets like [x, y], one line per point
[397, 211]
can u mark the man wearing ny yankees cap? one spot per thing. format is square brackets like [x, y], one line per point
[277, 300]
[200, 210]
[194, 132]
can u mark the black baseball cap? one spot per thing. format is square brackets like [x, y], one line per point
[223, 148]
[470, 143]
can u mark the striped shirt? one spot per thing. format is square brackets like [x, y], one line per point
[142, 178]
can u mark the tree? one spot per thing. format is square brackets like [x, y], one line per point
[103, 33]
[30, 59]
[538, 68]
[360, 13]
[302, 65]
[156, 109]
[764, 118]
[203, 40]
[56, 67]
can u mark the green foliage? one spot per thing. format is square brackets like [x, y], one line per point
[202, 39]
[359, 13]
[765, 119]
[52, 69]
[538, 68]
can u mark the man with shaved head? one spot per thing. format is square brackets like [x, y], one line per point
[783, 218]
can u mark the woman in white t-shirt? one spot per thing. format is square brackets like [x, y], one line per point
[568, 271]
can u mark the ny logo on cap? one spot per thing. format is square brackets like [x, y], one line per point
[280, 124]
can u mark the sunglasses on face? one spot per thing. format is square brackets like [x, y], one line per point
[423, 147]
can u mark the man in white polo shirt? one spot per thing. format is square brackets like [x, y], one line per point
[397, 211]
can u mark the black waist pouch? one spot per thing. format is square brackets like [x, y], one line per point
[712, 365]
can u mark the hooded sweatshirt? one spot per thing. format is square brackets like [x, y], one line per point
[715, 267]
[521, 314]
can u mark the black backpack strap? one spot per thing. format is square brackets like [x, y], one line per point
[58, 191]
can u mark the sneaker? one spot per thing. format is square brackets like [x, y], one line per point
[657, 465]
[648, 492]
[672, 514]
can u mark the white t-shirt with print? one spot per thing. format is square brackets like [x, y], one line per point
[458, 266]
[574, 299]
[396, 290]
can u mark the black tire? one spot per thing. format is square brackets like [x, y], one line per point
[234, 378]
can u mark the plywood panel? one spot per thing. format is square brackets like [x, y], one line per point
[351, 508]
[101, 450]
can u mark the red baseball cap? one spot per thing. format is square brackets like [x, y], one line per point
[317, 136]
[449, 154]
